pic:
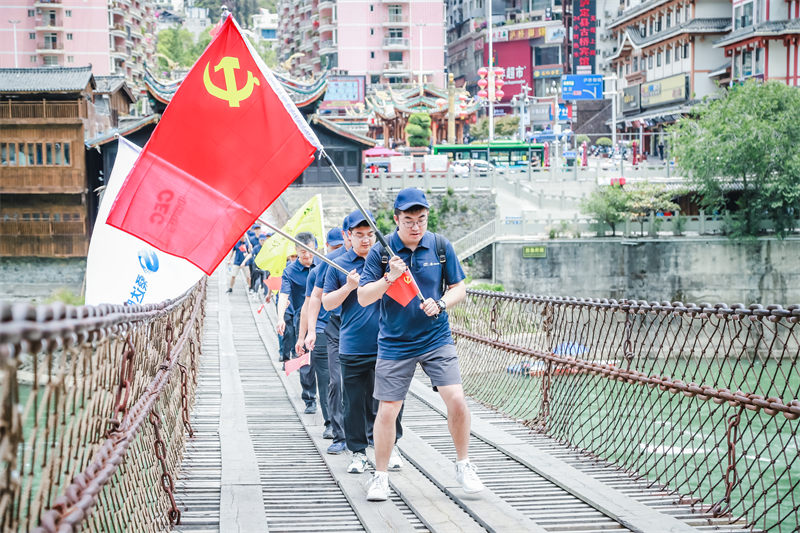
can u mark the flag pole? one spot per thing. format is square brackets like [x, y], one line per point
[369, 220]
[304, 247]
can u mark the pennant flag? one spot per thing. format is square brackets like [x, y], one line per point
[123, 269]
[403, 290]
[229, 143]
[273, 283]
[293, 364]
[276, 249]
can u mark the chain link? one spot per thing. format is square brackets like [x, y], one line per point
[173, 513]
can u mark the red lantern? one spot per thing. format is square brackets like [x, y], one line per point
[499, 94]
[463, 97]
[482, 83]
[483, 93]
[499, 72]
[498, 82]
[482, 72]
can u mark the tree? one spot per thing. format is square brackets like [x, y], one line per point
[603, 141]
[745, 141]
[418, 129]
[503, 127]
[645, 199]
[610, 205]
[582, 138]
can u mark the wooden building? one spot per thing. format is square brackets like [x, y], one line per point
[44, 200]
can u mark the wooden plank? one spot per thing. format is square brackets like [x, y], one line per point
[241, 504]
[630, 513]
[486, 507]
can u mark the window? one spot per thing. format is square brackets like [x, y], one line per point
[31, 12]
[547, 55]
[33, 59]
[667, 56]
[669, 20]
[68, 13]
[759, 61]
[3, 154]
[49, 154]
[22, 158]
[372, 55]
[677, 52]
[69, 36]
[374, 78]
[636, 64]
[678, 15]
[395, 56]
[627, 68]
[396, 33]
[338, 158]
[371, 8]
[352, 158]
[70, 59]
[747, 63]
[31, 36]
[39, 153]
[372, 31]
[51, 61]
[396, 11]
[658, 59]
[686, 51]
[650, 61]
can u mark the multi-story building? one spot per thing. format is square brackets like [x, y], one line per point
[664, 60]
[265, 25]
[388, 41]
[765, 41]
[115, 37]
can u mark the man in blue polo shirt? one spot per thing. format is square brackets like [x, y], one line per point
[293, 289]
[416, 333]
[238, 257]
[335, 405]
[358, 345]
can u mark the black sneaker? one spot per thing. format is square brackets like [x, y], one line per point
[229, 291]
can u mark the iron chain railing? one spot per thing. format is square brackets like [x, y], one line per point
[701, 400]
[77, 385]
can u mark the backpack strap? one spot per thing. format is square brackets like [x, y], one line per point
[441, 251]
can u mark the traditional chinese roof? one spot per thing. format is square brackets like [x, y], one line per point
[388, 103]
[112, 84]
[629, 14]
[302, 94]
[127, 126]
[770, 28]
[632, 36]
[337, 129]
[47, 79]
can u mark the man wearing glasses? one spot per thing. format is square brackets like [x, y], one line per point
[415, 333]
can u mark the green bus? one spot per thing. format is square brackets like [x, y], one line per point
[499, 153]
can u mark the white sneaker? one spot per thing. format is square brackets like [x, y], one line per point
[378, 487]
[358, 465]
[395, 460]
[467, 476]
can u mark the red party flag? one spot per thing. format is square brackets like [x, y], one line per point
[403, 290]
[228, 145]
[273, 283]
[293, 364]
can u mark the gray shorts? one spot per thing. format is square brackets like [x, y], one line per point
[393, 377]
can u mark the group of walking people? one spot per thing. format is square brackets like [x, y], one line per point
[364, 345]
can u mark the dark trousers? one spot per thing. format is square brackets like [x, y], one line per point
[319, 361]
[335, 405]
[308, 381]
[257, 279]
[288, 339]
[360, 408]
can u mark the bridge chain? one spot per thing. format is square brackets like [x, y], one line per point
[167, 483]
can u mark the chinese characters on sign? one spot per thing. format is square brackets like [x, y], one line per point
[534, 252]
[526, 33]
[584, 33]
[551, 72]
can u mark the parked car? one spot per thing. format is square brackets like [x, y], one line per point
[479, 167]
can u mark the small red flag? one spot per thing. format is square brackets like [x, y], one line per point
[403, 290]
[273, 283]
[293, 364]
[228, 145]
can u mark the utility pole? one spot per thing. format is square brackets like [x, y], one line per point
[451, 109]
[490, 64]
[613, 94]
[14, 27]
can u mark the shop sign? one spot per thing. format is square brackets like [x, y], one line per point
[554, 34]
[534, 252]
[521, 34]
[584, 33]
[547, 72]
[631, 99]
[344, 91]
[541, 113]
[665, 91]
[514, 57]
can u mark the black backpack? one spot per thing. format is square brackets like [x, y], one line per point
[441, 251]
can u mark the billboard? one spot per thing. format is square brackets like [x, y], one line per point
[584, 34]
[343, 91]
[514, 57]
[665, 91]
[631, 99]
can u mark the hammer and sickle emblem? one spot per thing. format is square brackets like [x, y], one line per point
[407, 279]
[231, 93]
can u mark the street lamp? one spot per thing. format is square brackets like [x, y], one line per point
[491, 89]
[523, 100]
[14, 28]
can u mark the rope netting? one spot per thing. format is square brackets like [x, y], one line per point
[94, 411]
[700, 399]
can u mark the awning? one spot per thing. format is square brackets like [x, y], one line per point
[664, 114]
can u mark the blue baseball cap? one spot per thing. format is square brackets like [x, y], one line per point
[334, 237]
[356, 218]
[408, 198]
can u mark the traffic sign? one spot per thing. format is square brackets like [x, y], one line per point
[586, 87]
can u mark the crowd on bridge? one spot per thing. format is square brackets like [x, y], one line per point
[365, 325]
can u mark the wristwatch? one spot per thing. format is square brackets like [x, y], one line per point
[442, 304]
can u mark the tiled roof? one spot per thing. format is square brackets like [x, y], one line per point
[46, 79]
[699, 25]
[126, 127]
[768, 28]
[639, 9]
[111, 84]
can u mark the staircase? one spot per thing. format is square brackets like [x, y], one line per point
[476, 241]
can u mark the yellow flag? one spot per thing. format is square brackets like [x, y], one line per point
[276, 249]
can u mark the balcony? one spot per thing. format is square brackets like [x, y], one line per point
[42, 25]
[42, 245]
[396, 20]
[49, 48]
[395, 43]
[326, 25]
[327, 47]
[42, 180]
[118, 30]
[326, 5]
[48, 4]
[395, 66]
[12, 110]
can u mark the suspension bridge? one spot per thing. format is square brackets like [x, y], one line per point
[588, 415]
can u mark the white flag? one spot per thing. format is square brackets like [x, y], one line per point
[121, 268]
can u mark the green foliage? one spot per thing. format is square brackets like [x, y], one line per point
[418, 129]
[66, 296]
[580, 139]
[745, 141]
[679, 224]
[495, 287]
[603, 141]
[609, 205]
[180, 48]
[503, 127]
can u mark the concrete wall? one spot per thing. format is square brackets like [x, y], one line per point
[690, 270]
[36, 278]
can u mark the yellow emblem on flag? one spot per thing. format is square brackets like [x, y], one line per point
[231, 93]
[276, 249]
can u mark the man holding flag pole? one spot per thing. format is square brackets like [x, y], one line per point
[417, 333]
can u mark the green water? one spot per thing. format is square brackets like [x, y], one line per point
[670, 438]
